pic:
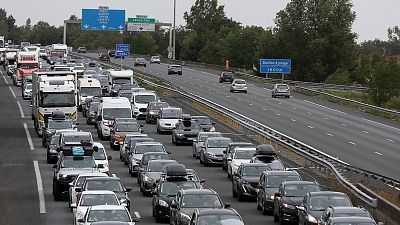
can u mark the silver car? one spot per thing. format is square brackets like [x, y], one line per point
[212, 151]
[198, 143]
[281, 90]
[238, 85]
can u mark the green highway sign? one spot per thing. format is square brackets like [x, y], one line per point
[141, 20]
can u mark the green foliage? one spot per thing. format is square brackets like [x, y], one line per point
[340, 76]
[393, 103]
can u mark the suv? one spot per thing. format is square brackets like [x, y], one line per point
[174, 69]
[231, 149]
[140, 62]
[226, 77]
[153, 109]
[120, 129]
[52, 125]
[81, 50]
[185, 131]
[155, 59]
[281, 90]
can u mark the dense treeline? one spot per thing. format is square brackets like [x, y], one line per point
[315, 34]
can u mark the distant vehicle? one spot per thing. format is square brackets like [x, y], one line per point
[226, 77]
[81, 50]
[174, 69]
[101, 159]
[27, 91]
[155, 59]
[281, 90]
[140, 62]
[238, 85]
[43, 54]
[104, 57]
[111, 53]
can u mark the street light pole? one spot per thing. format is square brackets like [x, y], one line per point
[174, 38]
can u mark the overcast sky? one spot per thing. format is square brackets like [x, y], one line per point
[373, 17]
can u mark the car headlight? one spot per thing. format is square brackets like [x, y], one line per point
[179, 135]
[151, 113]
[147, 178]
[289, 206]
[162, 203]
[210, 154]
[53, 151]
[245, 182]
[62, 175]
[185, 217]
[123, 201]
[311, 219]
[212, 129]
[79, 215]
[271, 197]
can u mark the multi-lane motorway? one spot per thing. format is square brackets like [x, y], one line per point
[23, 183]
[362, 140]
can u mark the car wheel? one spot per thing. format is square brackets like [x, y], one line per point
[263, 209]
[158, 219]
[229, 173]
[240, 196]
[234, 193]
[276, 217]
[57, 194]
[258, 204]
[193, 153]
[49, 161]
[201, 158]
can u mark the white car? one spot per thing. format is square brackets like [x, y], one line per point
[92, 198]
[238, 85]
[76, 185]
[167, 118]
[281, 90]
[108, 213]
[241, 155]
[101, 158]
[155, 59]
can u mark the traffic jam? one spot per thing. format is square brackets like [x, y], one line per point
[124, 119]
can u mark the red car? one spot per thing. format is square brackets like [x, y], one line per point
[226, 76]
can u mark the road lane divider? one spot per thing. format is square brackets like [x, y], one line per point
[42, 201]
[28, 136]
[12, 92]
[5, 79]
[20, 110]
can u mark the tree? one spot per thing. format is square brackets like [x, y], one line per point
[316, 35]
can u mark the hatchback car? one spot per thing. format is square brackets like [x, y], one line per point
[216, 216]
[152, 174]
[108, 213]
[104, 57]
[241, 155]
[135, 156]
[238, 85]
[230, 149]
[281, 90]
[167, 118]
[205, 123]
[81, 50]
[185, 131]
[213, 149]
[155, 59]
[226, 77]
[198, 143]
[174, 69]
[120, 129]
[140, 62]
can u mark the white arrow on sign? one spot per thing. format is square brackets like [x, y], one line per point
[121, 27]
[104, 26]
[86, 26]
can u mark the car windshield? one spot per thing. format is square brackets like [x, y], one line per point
[158, 166]
[28, 65]
[94, 106]
[190, 125]
[121, 80]
[90, 72]
[240, 82]
[77, 138]
[203, 121]
[79, 68]
[90, 91]
[55, 139]
[75, 162]
[148, 158]
[125, 94]
[103, 79]
[320, 203]
[98, 199]
[145, 98]
[253, 171]
[299, 190]
[57, 99]
[201, 201]
[108, 215]
[58, 125]
[219, 143]
[99, 154]
[171, 188]
[140, 149]
[275, 181]
[172, 114]
[158, 105]
[244, 154]
[112, 113]
[285, 87]
[227, 74]
[155, 57]
[127, 127]
[28, 86]
[104, 185]
[217, 219]
[133, 142]
[204, 137]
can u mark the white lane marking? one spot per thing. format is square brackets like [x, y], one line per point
[12, 92]
[42, 202]
[5, 79]
[390, 140]
[365, 132]
[324, 107]
[228, 96]
[343, 124]
[199, 86]
[264, 109]
[293, 120]
[309, 113]
[378, 153]
[251, 104]
[329, 134]
[352, 143]
[1, 72]
[279, 103]
[266, 99]
[20, 110]
[326, 118]
[311, 127]
[28, 135]
[381, 124]
[293, 107]
[278, 114]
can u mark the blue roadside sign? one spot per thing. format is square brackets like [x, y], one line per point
[123, 47]
[103, 19]
[121, 53]
[275, 66]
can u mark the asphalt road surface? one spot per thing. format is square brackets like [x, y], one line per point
[360, 139]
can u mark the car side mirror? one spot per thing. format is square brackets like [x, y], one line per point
[141, 125]
[73, 205]
[169, 152]
[174, 205]
[54, 166]
[109, 157]
[128, 189]
[95, 148]
[229, 159]
[154, 192]
[213, 123]
[227, 205]
[78, 189]
[81, 220]
[71, 184]
[59, 149]
[194, 141]
[235, 174]
[202, 181]
[277, 194]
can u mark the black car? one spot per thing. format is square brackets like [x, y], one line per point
[268, 186]
[185, 131]
[245, 180]
[187, 201]
[230, 149]
[216, 216]
[113, 184]
[315, 203]
[52, 125]
[174, 178]
[226, 77]
[151, 174]
[205, 123]
[111, 53]
[152, 110]
[289, 197]
[92, 112]
[104, 57]
[338, 211]
[351, 220]
[51, 155]
[266, 153]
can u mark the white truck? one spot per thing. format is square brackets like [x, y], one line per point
[59, 49]
[53, 91]
[87, 88]
[118, 77]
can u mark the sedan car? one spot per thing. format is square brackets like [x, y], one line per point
[281, 90]
[205, 123]
[152, 111]
[120, 129]
[230, 149]
[104, 57]
[167, 118]
[108, 213]
[187, 201]
[226, 77]
[216, 216]
[268, 186]
[174, 69]
[140, 62]
[27, 91]
[155, 59]
[315, 203]
[213, 149]
[337, 211]
[238, 85]
[241, 155]
[101, 158]
[185, 131]
[136, 155]
[198, 143]
[147, 157]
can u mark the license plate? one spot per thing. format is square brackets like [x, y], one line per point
[190, 139]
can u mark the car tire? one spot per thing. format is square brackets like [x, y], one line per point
[276, 217]
[158, 219]
[234, 193]
[263, 209]
[245, 91]
[180, 73]
[229, 174]
[258, 203]
[240, 196]
[48, 160]
[57, 194]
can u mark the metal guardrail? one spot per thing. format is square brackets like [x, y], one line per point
[376, 108]
[306, 151]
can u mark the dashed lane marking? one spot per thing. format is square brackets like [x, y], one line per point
[5, 79]
[12, 92]
[329, 134]
[28, 135]
[20, 110]
[42, 202]
[324, 107]
[352, 143]
[378, 153]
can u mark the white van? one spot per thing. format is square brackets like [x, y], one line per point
[87, 88]
[109, 109]
[118, 77]
[140, 100]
